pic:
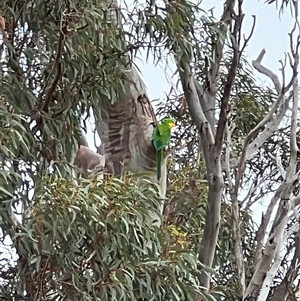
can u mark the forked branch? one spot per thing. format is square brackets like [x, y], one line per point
[269, 261]
[261, 125]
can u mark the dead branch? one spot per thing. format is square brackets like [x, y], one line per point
[257, 65]
[269, 262]
[267, 72]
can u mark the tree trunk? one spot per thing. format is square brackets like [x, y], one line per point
[126, 126]
[201, 101]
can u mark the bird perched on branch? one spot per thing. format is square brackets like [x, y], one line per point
[160, 139]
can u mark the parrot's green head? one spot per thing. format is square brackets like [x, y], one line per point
[168, 122]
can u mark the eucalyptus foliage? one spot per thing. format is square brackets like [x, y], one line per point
[86, 242]
[67, 238]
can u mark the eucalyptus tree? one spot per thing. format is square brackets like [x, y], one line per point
[85, 239]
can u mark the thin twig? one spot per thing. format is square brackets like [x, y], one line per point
[57, 66]
[246, 40]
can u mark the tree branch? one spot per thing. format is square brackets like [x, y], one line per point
[225, 99]
[272, 248]
[206, 129]
[253, 133]
[207, 105]
[267, 72]
[274, 266]
[282, 291]
[219, 142]
[230, 79]
[57, 66]
[265, 219]
[190, 93]
[269, 262]
[246, 40]
[214, 169]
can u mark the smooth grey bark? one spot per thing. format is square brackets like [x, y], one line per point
[201, 102]
[214, 172]
[285, 288]
[268, 261]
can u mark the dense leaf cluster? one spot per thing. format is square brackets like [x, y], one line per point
[88, 242]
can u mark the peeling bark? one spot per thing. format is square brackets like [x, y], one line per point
[126, 133]
[125, 127]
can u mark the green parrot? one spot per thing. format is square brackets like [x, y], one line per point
[160, 139]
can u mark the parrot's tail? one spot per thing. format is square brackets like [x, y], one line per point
[158, 163]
